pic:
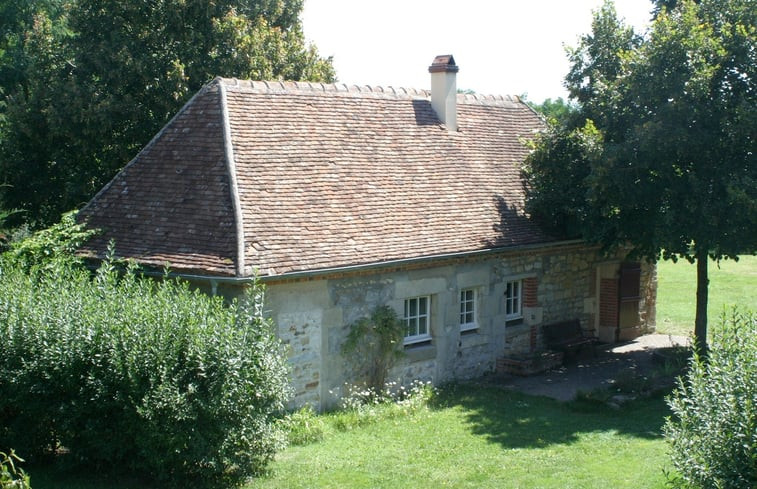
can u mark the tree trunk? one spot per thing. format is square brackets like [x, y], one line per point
[700, 323]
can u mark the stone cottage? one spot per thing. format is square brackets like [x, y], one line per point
[344, 198]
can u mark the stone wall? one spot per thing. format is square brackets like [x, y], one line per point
[648, 303]
[559, 283]
[298, 312]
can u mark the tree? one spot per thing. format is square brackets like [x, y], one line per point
[675, 176]
[100, 78]
[558, 110]
[18, 18]
[556, 194]
[598, 62]
[34, 126]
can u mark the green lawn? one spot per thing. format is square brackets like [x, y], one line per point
[470, 436]
[731, 283]
[482, 436]
[486, 437]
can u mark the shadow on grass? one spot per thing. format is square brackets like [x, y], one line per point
[58, 476]
[516, 420]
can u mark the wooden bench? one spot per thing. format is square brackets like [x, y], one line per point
[568, 337]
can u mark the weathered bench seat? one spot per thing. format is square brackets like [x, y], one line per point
[568, 337]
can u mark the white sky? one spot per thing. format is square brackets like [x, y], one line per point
[503, 47]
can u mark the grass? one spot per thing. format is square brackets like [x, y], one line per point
[731, 283]
[468, 436]
[485, 437]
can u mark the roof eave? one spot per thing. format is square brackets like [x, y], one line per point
[309, 274]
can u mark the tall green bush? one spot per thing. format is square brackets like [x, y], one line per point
[145, 375]
[713, 430]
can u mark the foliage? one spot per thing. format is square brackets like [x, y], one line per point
[713, 431]
[303, 426]
[5, 215]
[85, 84]
[372, 346]
[598, 62]
[556, 196]
[674, 175]
[58, 242]
[556, 111]
[138, 375]
[10, 476]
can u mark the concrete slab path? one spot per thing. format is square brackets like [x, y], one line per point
[602, 370]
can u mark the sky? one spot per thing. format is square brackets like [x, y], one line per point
[502, 47]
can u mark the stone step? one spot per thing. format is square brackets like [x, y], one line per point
[530, 364]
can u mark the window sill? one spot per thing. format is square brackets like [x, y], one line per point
[514, 321]
[469, 330]
[419, 340]
[417, 352]
[472, 338]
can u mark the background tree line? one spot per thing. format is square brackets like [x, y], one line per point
[85, 84]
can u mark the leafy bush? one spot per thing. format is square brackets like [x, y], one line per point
[58, 242]
[10, 476]
[372, 346]
[713, 431]
[145, 375]
[303, 426]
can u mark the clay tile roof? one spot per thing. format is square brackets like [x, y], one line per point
[285, 177]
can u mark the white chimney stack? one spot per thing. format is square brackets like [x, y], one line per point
[444, 90]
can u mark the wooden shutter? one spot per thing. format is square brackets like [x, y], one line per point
[630, 282]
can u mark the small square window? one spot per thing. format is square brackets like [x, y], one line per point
[417, 320]
[468, 310]
[513, 300]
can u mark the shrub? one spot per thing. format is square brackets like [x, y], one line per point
[713, 431]
[372, 346]
[10, 476]
[56, 243]
[140, 374]
[303, 426]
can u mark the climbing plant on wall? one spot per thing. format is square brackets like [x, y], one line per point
[373, 345]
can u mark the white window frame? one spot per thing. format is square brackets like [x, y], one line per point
[513, 299]
[419, 316]
[468, 308]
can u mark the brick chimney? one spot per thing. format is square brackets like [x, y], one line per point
[444, 90]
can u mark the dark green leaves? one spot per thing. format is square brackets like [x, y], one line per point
[676, 172]
[138, 375]
[713, 431]
[86, 84]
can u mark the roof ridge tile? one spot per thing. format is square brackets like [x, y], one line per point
[320, 87]
[402, 92]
